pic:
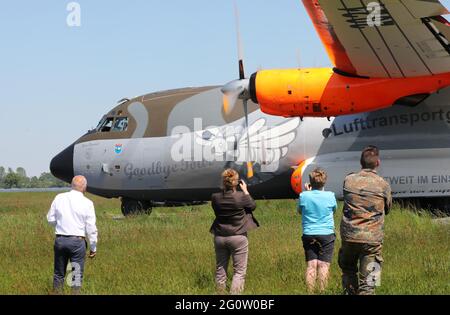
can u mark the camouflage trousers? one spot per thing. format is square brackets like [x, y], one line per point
[362, 279]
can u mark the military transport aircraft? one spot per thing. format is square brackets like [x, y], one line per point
[169, 148]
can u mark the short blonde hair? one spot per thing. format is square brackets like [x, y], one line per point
[318, 178]
[230, 179]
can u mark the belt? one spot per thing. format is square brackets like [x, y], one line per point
[78, 237]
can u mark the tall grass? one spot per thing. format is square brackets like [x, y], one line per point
[171, 251]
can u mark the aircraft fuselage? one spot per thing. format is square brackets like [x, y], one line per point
[173, 146]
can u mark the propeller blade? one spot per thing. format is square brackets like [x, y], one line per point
[239, 43]
[250, 173]
[241, 70]
[229, 102]
[226, 105]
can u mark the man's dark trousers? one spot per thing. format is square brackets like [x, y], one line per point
[73, 249]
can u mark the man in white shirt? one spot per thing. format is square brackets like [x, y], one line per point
[73, 216]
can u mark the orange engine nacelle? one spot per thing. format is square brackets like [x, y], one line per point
[323, 92]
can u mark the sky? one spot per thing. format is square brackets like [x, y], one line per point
[56, 81]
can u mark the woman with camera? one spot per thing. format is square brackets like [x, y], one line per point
[234, 218]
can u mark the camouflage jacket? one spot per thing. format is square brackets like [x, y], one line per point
[367, 198]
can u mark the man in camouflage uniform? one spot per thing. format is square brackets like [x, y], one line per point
[367, 198]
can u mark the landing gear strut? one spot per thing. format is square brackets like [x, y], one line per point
[133, 207]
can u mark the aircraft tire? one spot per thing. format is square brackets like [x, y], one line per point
[135, 207]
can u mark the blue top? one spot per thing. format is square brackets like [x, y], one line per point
[317, 208]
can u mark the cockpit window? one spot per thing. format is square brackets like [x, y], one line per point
[100, 123]
[121, 124]
[107, 125]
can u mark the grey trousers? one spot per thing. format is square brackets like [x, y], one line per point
[68, 249]
[236, 247]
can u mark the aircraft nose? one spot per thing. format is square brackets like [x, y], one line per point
[61, 165]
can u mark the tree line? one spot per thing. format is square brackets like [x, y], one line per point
[19, 179]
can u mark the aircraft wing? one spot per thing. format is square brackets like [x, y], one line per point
[383, 38]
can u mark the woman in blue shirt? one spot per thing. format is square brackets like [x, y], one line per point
[317, 208]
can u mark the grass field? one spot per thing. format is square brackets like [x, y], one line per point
[171, 251]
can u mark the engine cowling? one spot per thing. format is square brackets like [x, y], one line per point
[290, 92]
[324, 92]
